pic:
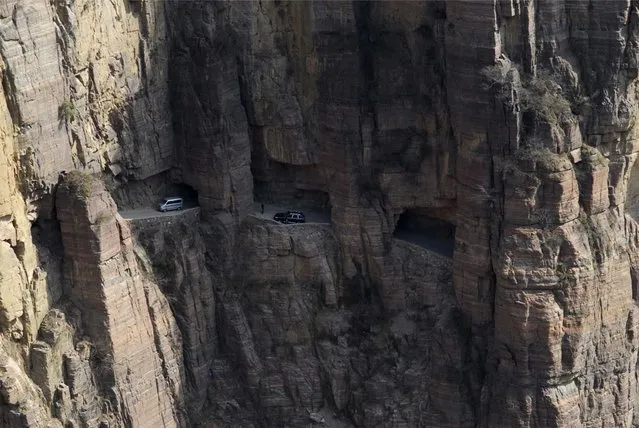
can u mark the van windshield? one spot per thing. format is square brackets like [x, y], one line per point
[164, 201]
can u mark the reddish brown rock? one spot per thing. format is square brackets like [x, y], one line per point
[138, 342]
[381, 109]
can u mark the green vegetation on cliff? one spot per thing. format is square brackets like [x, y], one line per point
[80, 183]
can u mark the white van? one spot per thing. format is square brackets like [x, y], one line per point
[171, 204]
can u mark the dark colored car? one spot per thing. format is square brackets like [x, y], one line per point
[290, 217]
[281, 217]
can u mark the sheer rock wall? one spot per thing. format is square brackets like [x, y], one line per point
[514, 120]
[138, 345]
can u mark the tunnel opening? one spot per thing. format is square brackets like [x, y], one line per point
[184, 191]
[419, 226]
[299, 185]
[293, 196]
[139, 194]
[288, 187]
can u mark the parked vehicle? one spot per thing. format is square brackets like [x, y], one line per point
[295, 217]
[171, 204]
[281, 217]
[290, 217]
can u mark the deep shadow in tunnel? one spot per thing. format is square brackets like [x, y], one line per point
[184, 191]
[290, 196]
[417, 227]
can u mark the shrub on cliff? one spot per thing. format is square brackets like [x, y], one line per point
[539, 94]
[66, 111]
[80, 183]
[533, 155]
[593, 157]
[503, 80]
[543, 96]
[544, 158]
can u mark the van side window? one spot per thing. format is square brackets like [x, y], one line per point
[170, 204]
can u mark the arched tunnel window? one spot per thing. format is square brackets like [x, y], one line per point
[184, 191]
[420, 228]
[285, 196]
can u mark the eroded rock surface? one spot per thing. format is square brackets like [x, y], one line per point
[512, 122]
[138, 343]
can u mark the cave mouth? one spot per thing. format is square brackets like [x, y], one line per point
[288, 187]
[184, 191]
[419, 227]
[289, 196]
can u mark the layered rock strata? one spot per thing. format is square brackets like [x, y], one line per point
[138, 343]
[510, 120]
[89, 79]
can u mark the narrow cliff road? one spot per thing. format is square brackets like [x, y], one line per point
[443, 247]
[142, 213]
[270, 210]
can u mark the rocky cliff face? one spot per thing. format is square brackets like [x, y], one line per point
[506, 126]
